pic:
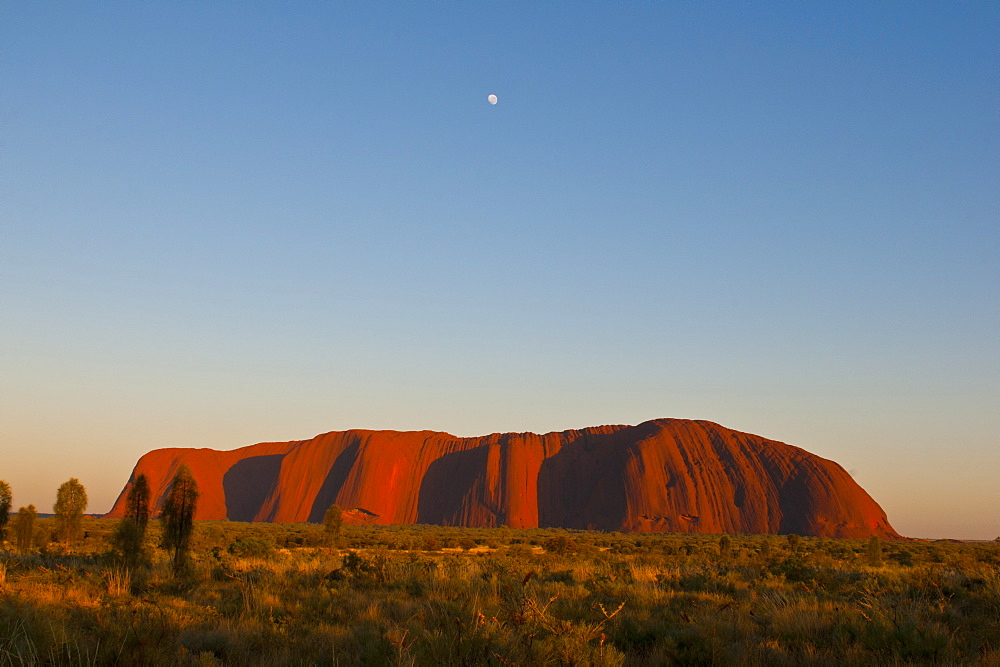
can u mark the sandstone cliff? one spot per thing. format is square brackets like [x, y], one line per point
[666, 475]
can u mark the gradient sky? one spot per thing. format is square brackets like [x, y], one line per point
[225, 223]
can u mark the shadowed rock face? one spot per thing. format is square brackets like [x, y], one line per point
[666, 475]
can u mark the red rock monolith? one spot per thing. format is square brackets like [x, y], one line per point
[665, 475]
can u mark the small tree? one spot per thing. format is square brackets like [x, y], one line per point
[873, 550]
[129, 537]
[333, 521]
[24, 530]
[793, 543]
[725, 547]
[178, 516]
[765, 548]
[71, 502]
[6, 498]
[137, 502]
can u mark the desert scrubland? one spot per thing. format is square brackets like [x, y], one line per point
[254, 593]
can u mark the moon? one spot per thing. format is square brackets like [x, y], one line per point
[491, 98]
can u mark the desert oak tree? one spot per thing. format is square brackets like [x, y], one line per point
[333, 519]
[6, 498]
[24, 529]
[177, 515]
[71, 503]
[130, 535]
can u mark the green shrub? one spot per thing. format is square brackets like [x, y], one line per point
[560, 544]
[251, 547]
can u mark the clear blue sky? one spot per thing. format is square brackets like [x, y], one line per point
[224, 223]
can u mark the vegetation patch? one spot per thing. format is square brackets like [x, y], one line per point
[255, 594]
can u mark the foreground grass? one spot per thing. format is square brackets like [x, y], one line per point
[273, 594]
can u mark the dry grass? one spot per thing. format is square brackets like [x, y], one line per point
[598, 599]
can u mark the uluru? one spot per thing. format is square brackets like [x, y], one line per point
[664, 475]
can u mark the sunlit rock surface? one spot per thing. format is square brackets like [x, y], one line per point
[665, 475]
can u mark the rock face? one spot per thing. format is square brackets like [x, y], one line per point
[666, 475]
